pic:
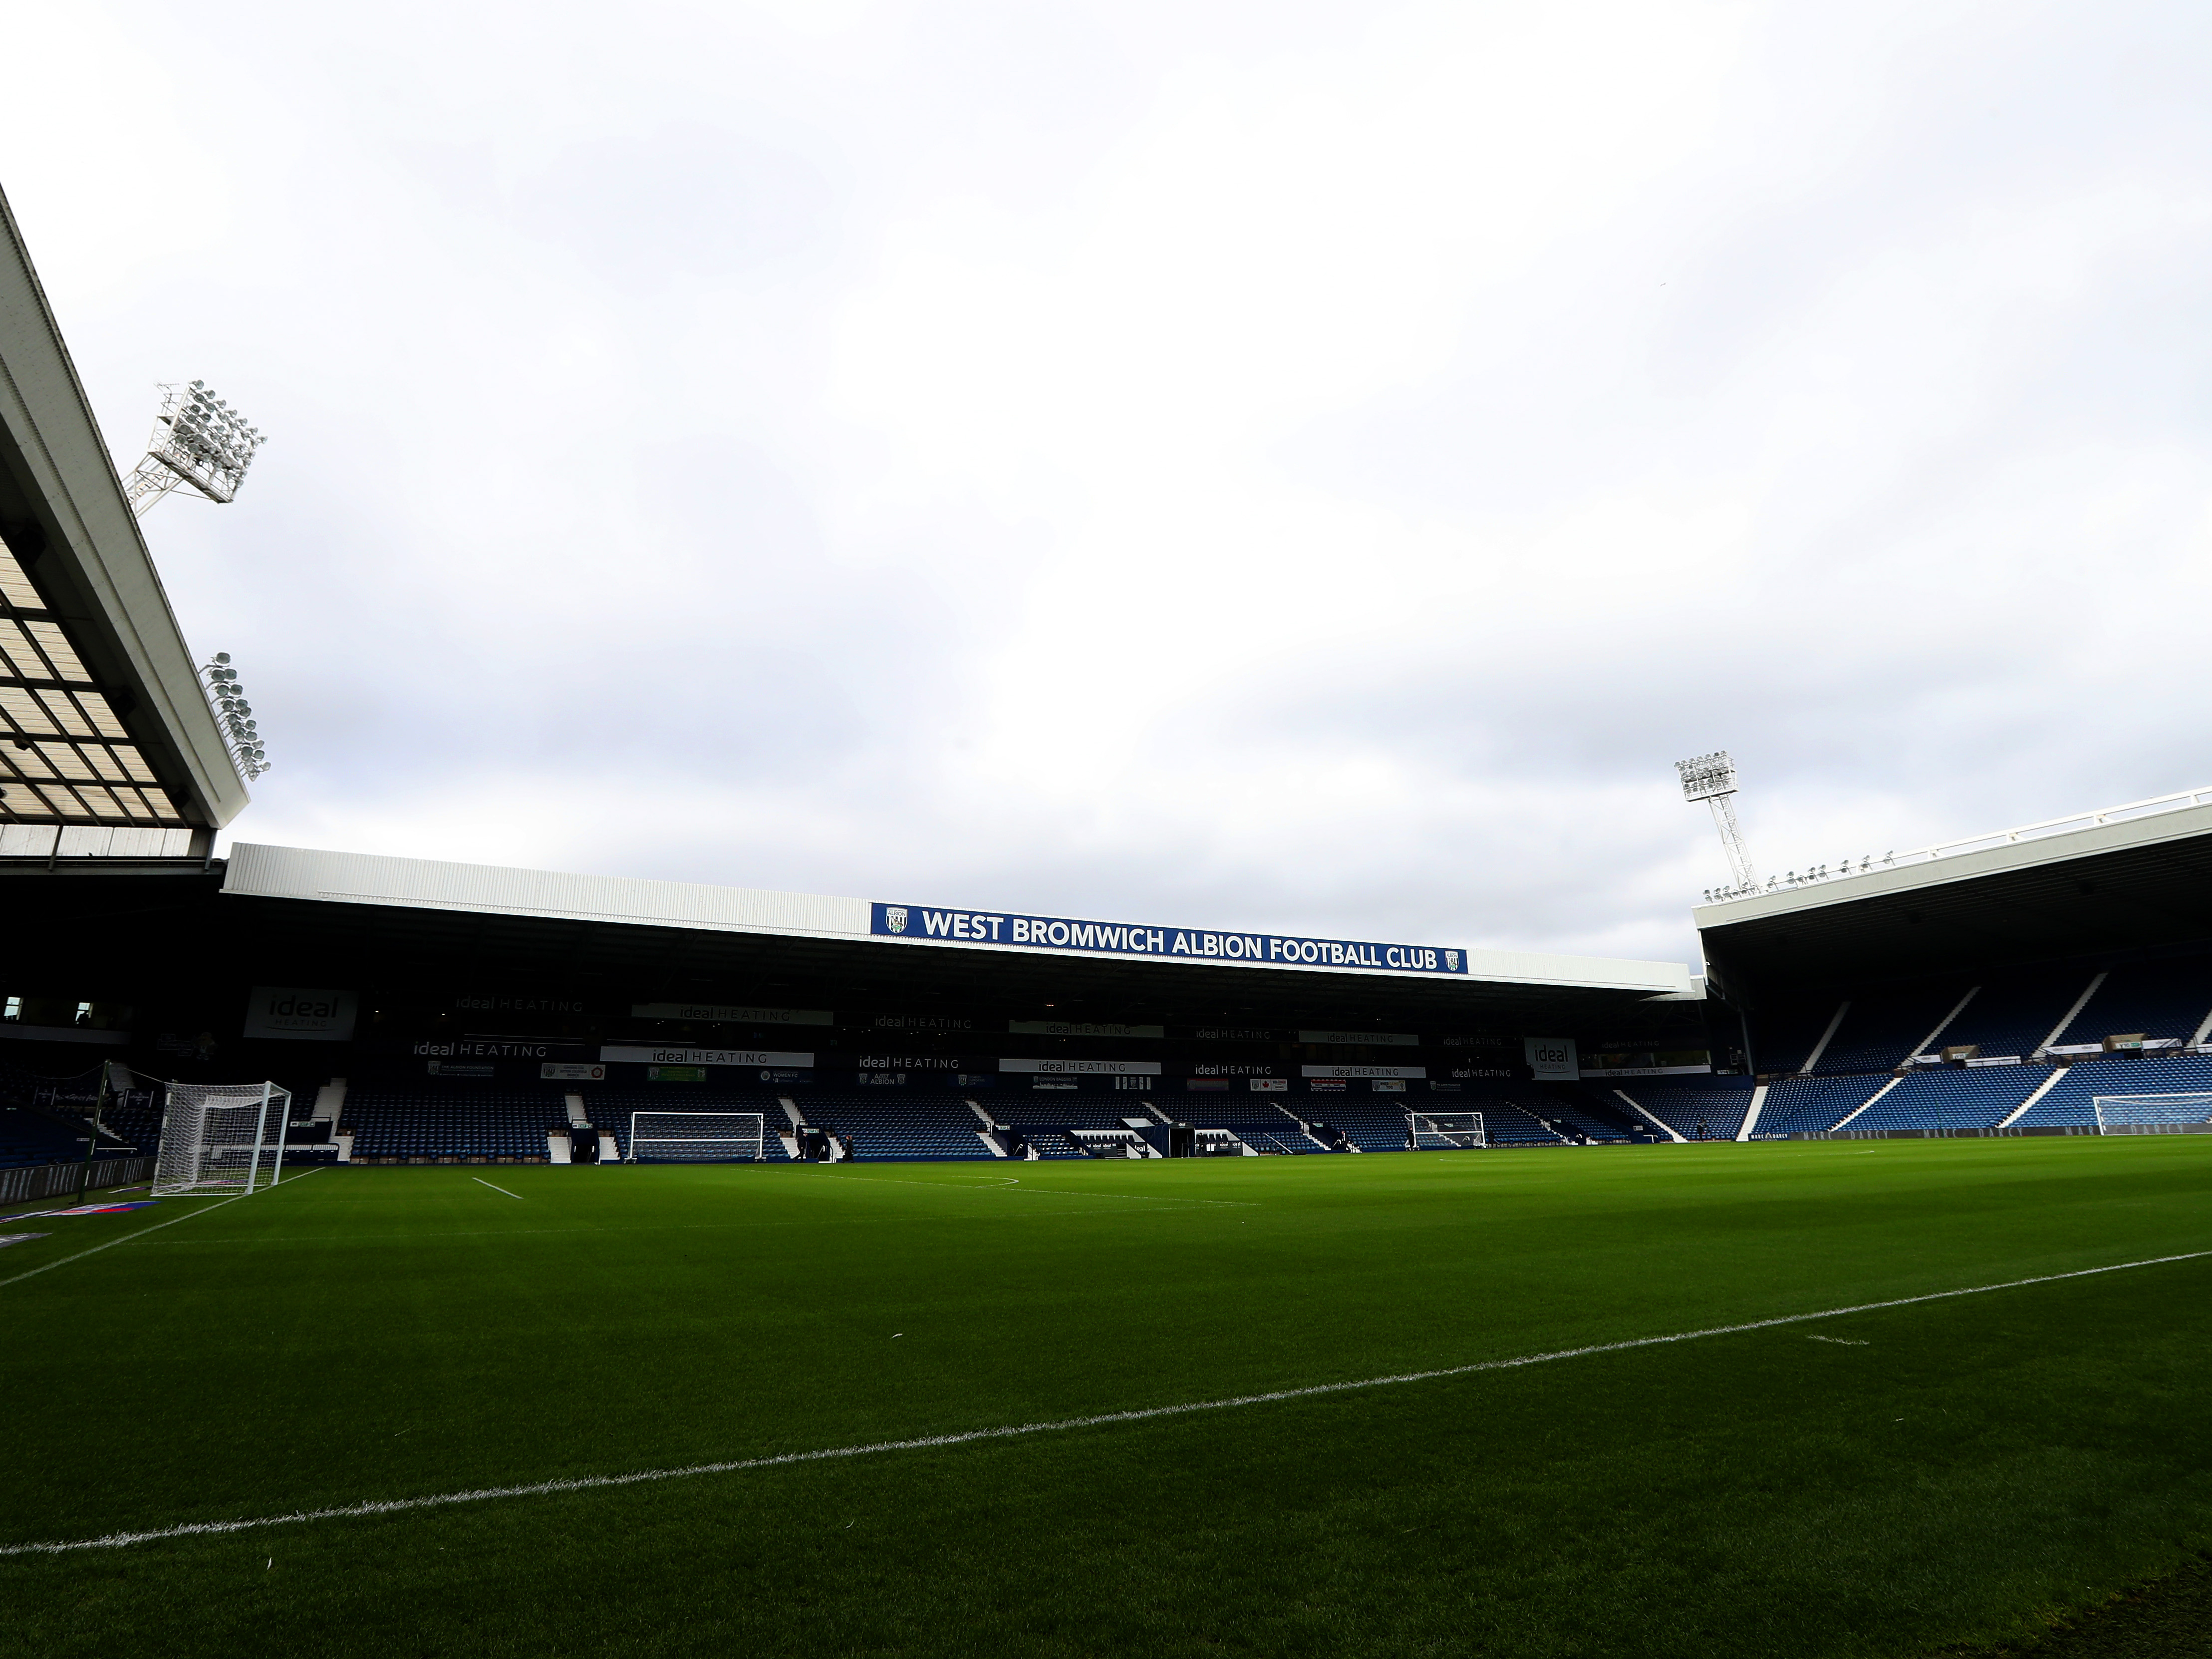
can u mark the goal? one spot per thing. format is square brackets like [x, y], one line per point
[696, 1137]
[2153, 1114]
[215, 1138]
[1446, 1129]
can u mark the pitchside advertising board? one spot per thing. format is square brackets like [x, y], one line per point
[1116, 939]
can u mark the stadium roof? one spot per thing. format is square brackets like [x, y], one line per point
[102, 718]
[2130, 877]
[354, 903]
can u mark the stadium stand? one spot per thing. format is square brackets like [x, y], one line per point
[44, 1120]
[608, 1111]
[1709, 1109]
[2165, 999]
[1787, 1041]
[1264, 1131]
[1044, 1118]
[1372, 1126]
[1951, 1097]
[917, 1127]
[2071, 1099]
[1593, 1111]
[1812, 1105]
[33, 1137]
[1883, 1027]
[1075, 1111]
[424, 1124]
[1051, 1143]
[1505, 1122]
[134, 1119]
[2013, 1014]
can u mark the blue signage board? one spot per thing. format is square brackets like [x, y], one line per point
[989, 928]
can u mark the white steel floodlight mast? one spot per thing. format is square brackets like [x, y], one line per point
[1712, 779]
[198, 440]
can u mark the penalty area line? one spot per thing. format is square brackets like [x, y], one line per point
[1017, 1431]
[481, 1182]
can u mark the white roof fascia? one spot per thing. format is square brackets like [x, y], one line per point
[95, 539]
[2180, 825]
[295, 872]
[298, 872]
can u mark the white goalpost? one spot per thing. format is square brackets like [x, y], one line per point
[697, 1136]
[1445, 1130]
[215, 1138]
[2153, 1114]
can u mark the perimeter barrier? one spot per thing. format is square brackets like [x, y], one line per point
[1940, 1135]
[44, 1180]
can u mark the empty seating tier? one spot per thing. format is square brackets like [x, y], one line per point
[1707, 1108]
[414, 1122]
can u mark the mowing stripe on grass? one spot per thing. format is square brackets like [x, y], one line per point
[63, 1262]
[1007, 1183]
[140, 1186]
[481, 1182]
[967, 1437]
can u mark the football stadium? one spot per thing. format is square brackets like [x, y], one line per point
[426, 1257]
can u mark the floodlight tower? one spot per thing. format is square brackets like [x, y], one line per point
[1712, 779]
[241, 732]
[198, 439]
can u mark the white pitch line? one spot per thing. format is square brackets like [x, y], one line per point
[481, 1182]
[969, 1436]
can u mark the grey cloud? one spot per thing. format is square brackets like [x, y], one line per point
[1867, 437]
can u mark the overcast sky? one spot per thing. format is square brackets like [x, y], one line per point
[1292, 465]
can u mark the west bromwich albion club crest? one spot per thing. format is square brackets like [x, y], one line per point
[894, 917]
[1451, 960]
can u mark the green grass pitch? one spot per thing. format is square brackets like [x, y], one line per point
[1953, 1471]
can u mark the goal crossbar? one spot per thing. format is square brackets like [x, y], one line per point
[1444, 1131]
[697, 1136]
[2153, 1114]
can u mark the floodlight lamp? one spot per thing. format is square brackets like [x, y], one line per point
[1707, 776]
[220, 656]
[199, 440]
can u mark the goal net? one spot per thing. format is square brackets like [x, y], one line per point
[1447, 1129]
[696, 1137]
[221, 1138]
[2152, 1115]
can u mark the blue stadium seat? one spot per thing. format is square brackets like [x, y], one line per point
[1712, 1106]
